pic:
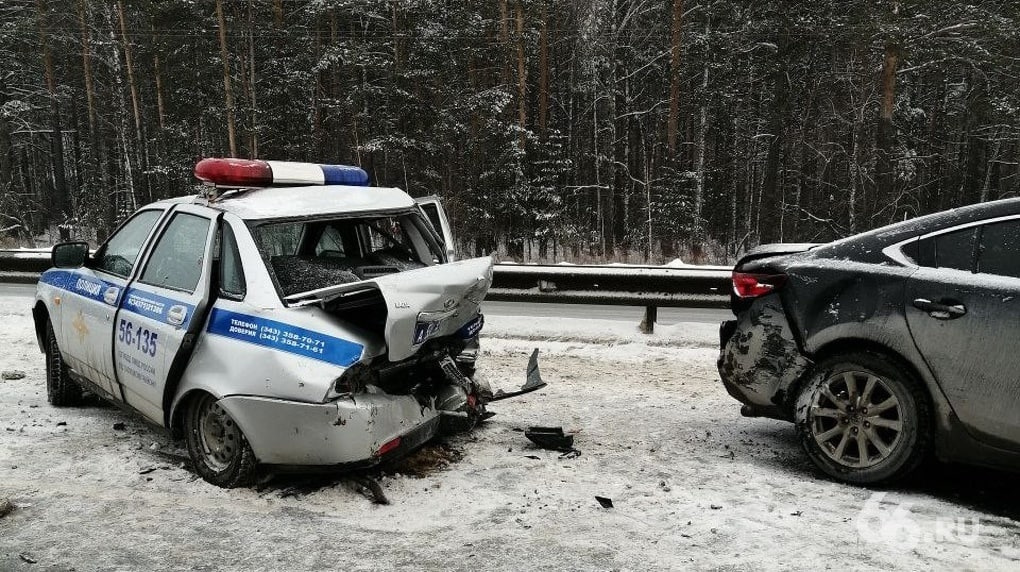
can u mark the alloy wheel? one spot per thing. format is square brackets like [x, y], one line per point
[855, 418]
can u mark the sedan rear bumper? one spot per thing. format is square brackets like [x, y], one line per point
[349, 432]
[759, 360]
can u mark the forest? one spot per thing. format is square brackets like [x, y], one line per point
[581, 130]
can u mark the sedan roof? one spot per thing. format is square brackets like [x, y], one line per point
[867, 246]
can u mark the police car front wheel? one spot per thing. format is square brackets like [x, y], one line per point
[61, 391]
[217, 446]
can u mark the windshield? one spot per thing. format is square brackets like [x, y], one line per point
[308, 255]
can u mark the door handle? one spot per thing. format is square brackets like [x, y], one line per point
[949, 310]
[111, 295]
[176, 315]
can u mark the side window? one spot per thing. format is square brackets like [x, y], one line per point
[176, 261]
[119, 254]
[330, 243]
[949, 250]
[920, 252]
[1000, 249]
[432, 213]
[282, 239]
[387, 234]
[231, 272]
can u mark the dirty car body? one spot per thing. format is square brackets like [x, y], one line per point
[887, 345]
[274, 326]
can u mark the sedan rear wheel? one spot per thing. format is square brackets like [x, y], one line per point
[217, 446]
[864, 419]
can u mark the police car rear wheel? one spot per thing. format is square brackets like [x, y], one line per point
[61, 391]
[217, 446]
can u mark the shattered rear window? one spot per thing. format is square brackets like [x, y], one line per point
[308, 255]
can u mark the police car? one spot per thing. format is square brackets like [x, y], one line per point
[291, 315]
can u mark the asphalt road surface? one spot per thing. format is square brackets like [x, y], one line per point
[634, 314]
[18, 290]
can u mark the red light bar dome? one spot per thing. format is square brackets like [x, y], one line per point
[228, 172]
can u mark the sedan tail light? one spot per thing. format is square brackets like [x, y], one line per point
[749, 285]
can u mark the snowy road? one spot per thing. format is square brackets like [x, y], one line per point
[694, 484]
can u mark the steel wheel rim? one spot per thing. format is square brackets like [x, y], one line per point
[218, 435]
[856, 419]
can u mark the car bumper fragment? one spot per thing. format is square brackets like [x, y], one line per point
[759, 359]
[348, 432]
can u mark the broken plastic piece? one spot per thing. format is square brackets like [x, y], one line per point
[534, 380]
[550, 438]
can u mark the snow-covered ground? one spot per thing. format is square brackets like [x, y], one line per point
[694, 485]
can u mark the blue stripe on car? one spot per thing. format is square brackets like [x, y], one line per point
[137, 301]
[91, 288]
[284, 337]
[154, 306]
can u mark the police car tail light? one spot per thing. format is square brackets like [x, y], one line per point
[228, 172]
[387, 447]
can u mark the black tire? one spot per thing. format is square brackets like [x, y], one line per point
[61, 390]
[863, 418]
[218, 448]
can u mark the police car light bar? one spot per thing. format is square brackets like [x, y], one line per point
[223, 172]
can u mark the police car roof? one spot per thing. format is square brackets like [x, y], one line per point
[290, 202]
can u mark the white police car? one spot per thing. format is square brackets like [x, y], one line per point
[273, 322]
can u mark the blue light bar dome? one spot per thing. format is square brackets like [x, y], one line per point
[288, 173]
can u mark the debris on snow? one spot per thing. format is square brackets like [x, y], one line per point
[552, 438]
[372, 486]
[427, 460]
[6, 507]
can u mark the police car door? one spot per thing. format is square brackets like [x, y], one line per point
[168, 296]
[86, 334]
[436, 215]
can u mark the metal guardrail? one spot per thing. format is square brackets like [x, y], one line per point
[652, 287]
[23, 266]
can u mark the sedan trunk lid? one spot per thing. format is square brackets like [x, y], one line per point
[421, 304]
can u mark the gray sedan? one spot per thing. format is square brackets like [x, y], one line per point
[887, 346]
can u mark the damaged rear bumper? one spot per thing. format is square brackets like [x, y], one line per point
[759, 360]
[349, 432]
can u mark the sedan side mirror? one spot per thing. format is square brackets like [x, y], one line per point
[70, 254]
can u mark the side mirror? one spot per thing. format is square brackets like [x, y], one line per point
[70, 254]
